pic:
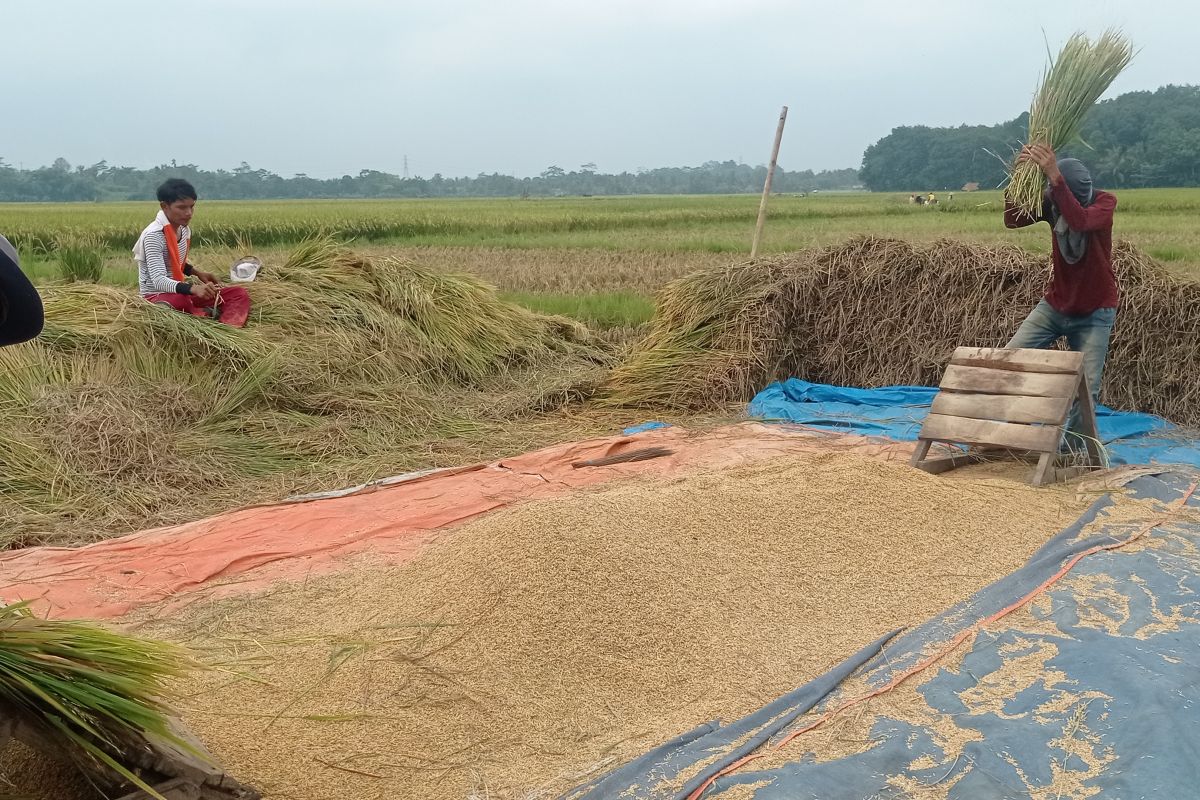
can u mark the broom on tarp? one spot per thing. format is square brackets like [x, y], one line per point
[1071, 85]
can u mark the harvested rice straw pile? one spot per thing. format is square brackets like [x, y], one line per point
[879, 312]
[540, 645]
[348, 369]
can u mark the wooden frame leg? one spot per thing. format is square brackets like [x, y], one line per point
[1087, 421]
[936, 466]
[1045, 471]
[919, 454]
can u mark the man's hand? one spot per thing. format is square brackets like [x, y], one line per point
[206, 277]
[1044, 157]
[204, 291]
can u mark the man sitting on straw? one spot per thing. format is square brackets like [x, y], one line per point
[1081, 301]
[161, 253]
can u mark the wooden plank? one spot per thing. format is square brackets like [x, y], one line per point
[1002, 407]
[1003, 381]
[935, 466]
[987, 432]
[1019, 359]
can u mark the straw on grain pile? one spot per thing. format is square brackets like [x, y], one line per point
[877, 312]
[537, 646]
[125, 414]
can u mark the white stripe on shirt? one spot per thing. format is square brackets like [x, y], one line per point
[154, 274]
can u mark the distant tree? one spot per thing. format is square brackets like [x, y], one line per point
[1136, 139]
[100, 181]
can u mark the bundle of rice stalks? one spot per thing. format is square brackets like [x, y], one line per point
[92, 318]
[880, 312]
[715, 333]
[82, 690]
[1070, 86]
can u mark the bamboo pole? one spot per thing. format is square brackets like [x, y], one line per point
[762, 206]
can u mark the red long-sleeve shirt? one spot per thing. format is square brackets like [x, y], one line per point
[1080, 288]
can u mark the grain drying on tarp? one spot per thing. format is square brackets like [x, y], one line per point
[125, 414]
[534, 647]
[878, 312]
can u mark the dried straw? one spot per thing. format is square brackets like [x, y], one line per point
[879, 312]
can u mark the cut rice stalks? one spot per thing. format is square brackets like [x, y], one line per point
[1071, 85]
[87, 691]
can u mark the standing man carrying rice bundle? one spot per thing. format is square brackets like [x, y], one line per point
[1081, 300]
[161, 253]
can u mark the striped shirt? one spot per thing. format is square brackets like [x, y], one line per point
[154, 274]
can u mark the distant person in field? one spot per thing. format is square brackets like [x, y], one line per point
[1081, 300]
[20, 306]
[162, 252]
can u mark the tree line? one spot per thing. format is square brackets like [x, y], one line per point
[1138, 139]
[62, 182]
[1135, 140]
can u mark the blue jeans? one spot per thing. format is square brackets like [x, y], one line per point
[1088, 334]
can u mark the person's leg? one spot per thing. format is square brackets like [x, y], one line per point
[1040, 329]
[1090, 335]
[235, 306]
[180, 302]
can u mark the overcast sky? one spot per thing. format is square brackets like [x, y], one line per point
[512, 86]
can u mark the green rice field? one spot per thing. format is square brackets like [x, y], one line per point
[598, 259]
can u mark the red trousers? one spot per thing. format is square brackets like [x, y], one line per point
[234, 304]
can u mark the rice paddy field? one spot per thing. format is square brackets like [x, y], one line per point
[416, 334]
[596, 259]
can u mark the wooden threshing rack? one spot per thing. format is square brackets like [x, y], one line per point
[1010, 399]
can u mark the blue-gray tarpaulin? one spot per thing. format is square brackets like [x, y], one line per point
[1072, 684]
[896, 412]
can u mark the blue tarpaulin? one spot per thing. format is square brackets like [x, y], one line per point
[896, 412]
[1088, 690]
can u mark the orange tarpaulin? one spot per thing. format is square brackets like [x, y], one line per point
[260, 545]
